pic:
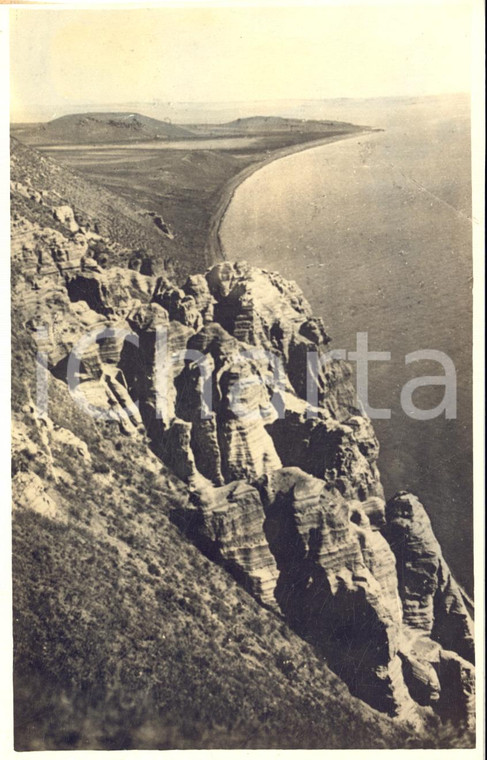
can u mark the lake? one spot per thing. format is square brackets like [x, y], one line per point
[376, 230]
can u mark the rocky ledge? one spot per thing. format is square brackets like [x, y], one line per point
[279, 460]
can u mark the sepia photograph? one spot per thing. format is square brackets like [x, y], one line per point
[243, 273]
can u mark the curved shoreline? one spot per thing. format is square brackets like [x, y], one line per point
[214, 250]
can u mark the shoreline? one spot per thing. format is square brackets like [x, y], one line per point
[214, 250]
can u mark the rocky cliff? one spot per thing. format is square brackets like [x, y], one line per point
[280, 465]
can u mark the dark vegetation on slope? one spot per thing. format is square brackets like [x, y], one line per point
[141, 642]
[127, 637]
[125, 647]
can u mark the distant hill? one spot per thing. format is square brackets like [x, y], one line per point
[99, 128]
[278, 123]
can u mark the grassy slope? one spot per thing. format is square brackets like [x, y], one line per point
[126, 636]
[118, 219]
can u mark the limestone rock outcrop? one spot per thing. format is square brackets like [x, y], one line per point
[438, 641]
[30, 493]
[65, 215]
[432, 600]
[227, 523]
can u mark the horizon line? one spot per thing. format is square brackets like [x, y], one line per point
[105, 107]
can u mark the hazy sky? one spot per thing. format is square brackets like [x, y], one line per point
[67, 58]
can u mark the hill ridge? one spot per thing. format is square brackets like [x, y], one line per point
[103, 127]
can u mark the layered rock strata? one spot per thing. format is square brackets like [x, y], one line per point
[433, 610]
